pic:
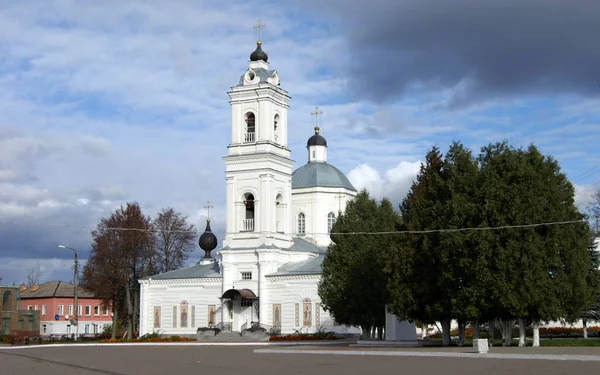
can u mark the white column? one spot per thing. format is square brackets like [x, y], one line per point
[263, 297]
[143, 308]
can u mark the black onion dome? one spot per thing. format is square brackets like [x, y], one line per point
[208, 241]
[258, 53]
[317, 139]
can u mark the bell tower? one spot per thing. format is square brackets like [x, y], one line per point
[258, 167]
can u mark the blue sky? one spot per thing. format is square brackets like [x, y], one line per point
[108, 102]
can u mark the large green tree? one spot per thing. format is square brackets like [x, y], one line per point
[538, 273]
[353, 286]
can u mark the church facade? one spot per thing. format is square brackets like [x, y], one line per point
[277, 228]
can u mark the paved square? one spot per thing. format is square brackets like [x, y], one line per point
[183, 360]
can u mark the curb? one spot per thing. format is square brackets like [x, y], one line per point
[547, 357]
[250, 343]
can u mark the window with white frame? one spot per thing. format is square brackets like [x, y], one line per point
[87, 328]
[88, 310]
[29, 307]
[44, 328]
[61, 309]
[301, 223]
[44, 308]
[36, 307]
[70, 310]
[68, 328]
[330, 221]
[78, 310]
[96, 310]
[105, 309]
[246, 275]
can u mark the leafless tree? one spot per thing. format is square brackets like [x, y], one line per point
[34, 276]
[123, 251]
[175, 239]
[594, 212]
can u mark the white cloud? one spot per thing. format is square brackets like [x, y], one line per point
[584, 195]
[394, 184]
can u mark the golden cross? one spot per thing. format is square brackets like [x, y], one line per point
[340, 203]
[316, 113]
[259, 25]
[208, 207]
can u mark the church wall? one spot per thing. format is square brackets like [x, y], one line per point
[193, 295]
[316, 204]
[301, 293]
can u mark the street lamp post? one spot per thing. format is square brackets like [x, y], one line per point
[75, 281]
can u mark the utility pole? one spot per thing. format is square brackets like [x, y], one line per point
[76, 287]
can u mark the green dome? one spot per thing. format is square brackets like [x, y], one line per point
[320, 174]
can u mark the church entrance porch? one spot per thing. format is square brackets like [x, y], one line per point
[241, 309]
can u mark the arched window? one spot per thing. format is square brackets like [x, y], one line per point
[301, 223]
[279, 214]
[250, 127]
[248, 221]
[6, 301]
[330, 221]
[276, 131]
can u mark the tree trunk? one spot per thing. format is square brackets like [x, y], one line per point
[476, 329]
[114, 318]
[492, 325]
[522, 333]
[506, 329]
[129, 312]
[446, 332]
[461, 333]
[536, 333]
[585, 332]
[136, 312]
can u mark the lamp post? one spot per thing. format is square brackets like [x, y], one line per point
[75, 281]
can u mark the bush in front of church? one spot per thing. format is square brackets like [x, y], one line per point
[321, 334]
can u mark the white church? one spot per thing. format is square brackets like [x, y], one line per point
[277, 225]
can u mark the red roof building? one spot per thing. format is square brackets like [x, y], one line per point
[55, 300]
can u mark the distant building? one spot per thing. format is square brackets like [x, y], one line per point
[17, 321]
[54, 301]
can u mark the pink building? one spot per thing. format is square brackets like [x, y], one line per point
[55, 300]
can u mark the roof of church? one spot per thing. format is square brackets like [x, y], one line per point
[306, 267]
[299, 245]
[194, 272]
[320, 174]
[262, 74]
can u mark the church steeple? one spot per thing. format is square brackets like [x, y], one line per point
[258, 165]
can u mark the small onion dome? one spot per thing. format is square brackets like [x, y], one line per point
[316, 140]
[258, 53]
[208, 241]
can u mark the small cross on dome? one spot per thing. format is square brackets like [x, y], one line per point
[259, 25]
[208, 207]
[317, 112]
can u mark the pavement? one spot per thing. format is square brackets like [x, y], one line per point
[196, 359]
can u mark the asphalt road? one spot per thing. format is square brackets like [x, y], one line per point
[183, 360]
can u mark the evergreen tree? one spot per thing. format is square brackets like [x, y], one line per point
[352, 287]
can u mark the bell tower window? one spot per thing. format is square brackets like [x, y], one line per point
[248, 221]
[250, 128]
[276, 132]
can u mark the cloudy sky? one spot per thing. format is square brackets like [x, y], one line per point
[105, 102]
